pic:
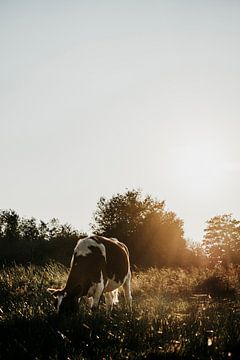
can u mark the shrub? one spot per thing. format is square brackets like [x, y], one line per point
[216, 287]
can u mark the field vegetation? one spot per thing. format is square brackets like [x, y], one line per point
[177, 314]
[186, 301]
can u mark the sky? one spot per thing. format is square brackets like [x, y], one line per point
[97, 97]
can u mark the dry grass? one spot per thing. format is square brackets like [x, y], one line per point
[170, 319]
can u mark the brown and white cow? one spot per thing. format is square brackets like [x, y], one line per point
[99, 266]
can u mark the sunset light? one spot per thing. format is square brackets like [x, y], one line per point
[120, 179]
[200, 168]
[108, 96]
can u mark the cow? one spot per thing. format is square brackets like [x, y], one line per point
[99, 266]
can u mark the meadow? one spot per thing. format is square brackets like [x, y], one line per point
[177, 314]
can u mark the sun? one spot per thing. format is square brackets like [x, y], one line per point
[199, 167]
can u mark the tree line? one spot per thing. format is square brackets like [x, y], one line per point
[154, 235]
[25, 241]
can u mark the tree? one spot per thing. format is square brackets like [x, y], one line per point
[62, 241]
[154, 236]
[29, 237]
[222, 239]
[28, 241]
[9, 221]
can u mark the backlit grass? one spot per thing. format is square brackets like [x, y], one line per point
[171, 319]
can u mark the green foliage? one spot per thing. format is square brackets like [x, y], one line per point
[154, 236]
[222, 239]
[124, 213]
[169, 320]
[25, 241]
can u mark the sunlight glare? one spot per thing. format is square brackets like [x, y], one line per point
[199, 167]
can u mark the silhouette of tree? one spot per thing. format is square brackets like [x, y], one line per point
[25, 240]
[222, 239]
[154, 236]
[9, 225]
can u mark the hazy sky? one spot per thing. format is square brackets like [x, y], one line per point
[100, 96]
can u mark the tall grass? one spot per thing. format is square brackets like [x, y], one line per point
[171, 319]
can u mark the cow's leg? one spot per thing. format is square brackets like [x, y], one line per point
[98, 292]
[127, 291]
[90, 302]
[97, 296]
[111, 298]
[109, 301]
[115, 296]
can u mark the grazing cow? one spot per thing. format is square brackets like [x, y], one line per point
[99, 266]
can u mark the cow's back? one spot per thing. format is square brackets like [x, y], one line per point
[117, 258]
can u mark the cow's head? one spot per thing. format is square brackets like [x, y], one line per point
[59, 295]
[64, 302]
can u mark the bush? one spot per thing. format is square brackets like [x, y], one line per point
[216, 287]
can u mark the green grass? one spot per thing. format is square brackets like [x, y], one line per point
[170, 318]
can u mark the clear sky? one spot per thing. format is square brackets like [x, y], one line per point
[100, 96]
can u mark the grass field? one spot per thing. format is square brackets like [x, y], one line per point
[172, 317]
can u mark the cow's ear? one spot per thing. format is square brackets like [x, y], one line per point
[55, 292]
